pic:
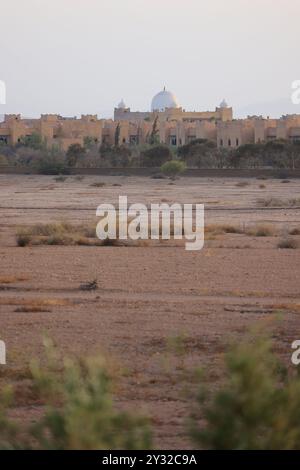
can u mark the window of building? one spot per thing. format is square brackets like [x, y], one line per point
[133, 139]
[237, 142]
[229, 142]
[173, 140]
[221, 142]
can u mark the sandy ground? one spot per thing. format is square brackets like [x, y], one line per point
[148, 295]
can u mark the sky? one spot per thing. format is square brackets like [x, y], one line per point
[75, 57]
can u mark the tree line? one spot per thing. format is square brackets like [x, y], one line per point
[33, 153]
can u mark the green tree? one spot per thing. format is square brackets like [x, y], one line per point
[200, 153]
[155, 156]
[74, 153]
[153, 138]
[117, 135]
[88, 142]
[34, 141]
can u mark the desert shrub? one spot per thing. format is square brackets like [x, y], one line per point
[288, 243]
[173, 168]
[23, 238]
[60, 179]
[295, 201]
[242, 184]
[79, 411]
[258, 406]
[295, 231]
[156, 156]
[262, 230]
[3, 160]
[223, 228]
[62, 233]
[52, 166]
[271, 202]
[97, 185]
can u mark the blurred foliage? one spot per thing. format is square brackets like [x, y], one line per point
[79, 410]
[173, 168]
[258, 406]
[155, 156]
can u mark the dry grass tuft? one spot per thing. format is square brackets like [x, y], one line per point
[60, 179]
[242, 184]
[295, 231]
[12, 279]
[222, 228]
[262, 230]
[35, 303]
[33, 309]
[288, 243]
[62, 233]
[275, 202]
[97, 185]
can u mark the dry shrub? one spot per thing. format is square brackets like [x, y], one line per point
[242, 184]
[271, 202]
[35, 303]
[62, 233]
[12, 279]
[97, 185]
[288, 243]
[222, 228]
[60, 179]
[275, 202]
[67, 234]
[33, 309]
[262, 230]
[295, 231]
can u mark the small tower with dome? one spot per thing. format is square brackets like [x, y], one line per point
[223, 104]
[122, 104]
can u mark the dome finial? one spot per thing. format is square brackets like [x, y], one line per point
[122, 105]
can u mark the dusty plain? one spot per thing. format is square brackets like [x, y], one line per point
[150, 298]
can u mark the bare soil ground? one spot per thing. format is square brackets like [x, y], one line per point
[148, 295]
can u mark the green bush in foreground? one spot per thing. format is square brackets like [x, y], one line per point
[258, 407]
[79, 411]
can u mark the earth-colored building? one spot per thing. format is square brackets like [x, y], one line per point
[174, 126]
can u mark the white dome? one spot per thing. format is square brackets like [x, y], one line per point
[164, 99]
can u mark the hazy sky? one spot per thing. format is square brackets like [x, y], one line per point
[83, 56]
